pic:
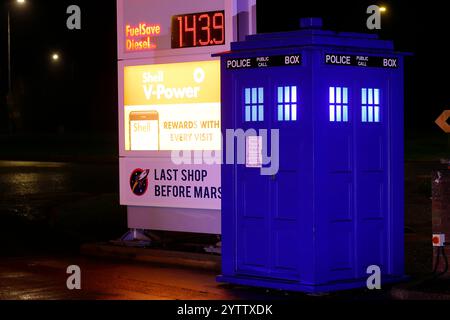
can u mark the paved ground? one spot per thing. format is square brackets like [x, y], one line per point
[48, 206]
[44, 278]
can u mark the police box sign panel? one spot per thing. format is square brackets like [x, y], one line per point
[155, 183]
[264, 62]
[361, 61]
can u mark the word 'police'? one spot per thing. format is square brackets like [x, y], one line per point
[264, 62]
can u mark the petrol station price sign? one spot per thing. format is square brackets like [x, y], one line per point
[170, 101]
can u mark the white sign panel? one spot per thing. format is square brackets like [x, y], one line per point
[155, 183]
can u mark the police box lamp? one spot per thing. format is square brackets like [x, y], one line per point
[333, 208]
[311, 23]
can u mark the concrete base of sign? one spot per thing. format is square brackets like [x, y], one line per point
[175, 219]
[173, 258]
[287, 285]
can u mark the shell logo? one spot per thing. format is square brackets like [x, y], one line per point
[199, 75]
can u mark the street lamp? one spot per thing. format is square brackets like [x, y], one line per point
[20, 3]
[13, 114]
[55, 57]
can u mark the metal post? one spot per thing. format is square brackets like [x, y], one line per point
[9, 53]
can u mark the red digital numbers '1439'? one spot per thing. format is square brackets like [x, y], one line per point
[198, 29]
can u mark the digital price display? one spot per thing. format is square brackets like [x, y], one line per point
[198, 29]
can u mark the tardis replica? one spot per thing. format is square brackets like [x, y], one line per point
[333, 211]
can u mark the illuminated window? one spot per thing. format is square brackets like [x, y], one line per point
[287, 103]
[370, 105]
[254, 104]
[338, 99]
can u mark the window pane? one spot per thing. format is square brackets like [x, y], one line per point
[377, 114]
[332, 118]
[261, 113]
[280, 113]
[332, 98]
[377, 96]
[345, 113]
[248, 113]
[248, 96]
[287, 94]
[364, 96]
[338, 113]
[338, 95]
[287, 112]
[364, 114]
[254, 95]
[370, 114]
[280, 94]
[254, 113]
[294, 94]
[345, 95]
[370, 96]
[260, 95]
[294, 112]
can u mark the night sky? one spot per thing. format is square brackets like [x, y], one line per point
[79, 94]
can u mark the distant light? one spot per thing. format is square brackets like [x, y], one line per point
[382, 9]
[20, 1]
[55, 57]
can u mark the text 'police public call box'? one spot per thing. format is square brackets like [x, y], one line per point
[332, 208]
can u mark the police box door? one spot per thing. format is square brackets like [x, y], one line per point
[354, 177]
[372, 170]
[267, 217]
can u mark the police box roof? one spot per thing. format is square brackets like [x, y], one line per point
[311, 35]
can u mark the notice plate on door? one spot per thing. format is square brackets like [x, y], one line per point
[254, 147]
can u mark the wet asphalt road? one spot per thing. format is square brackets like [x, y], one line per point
[44, 278]
[28, 187]
[37, 197]
[35, 251]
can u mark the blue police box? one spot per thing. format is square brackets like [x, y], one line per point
[333, 212]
